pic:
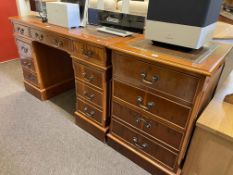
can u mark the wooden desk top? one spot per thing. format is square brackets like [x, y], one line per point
[206, 67]
[218, 116]
[88, 33]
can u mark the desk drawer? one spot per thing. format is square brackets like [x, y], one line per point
[153, 104]
[151, 148]
[174, 83]
[39, 35]
[91, 53]
[89, 111]
[24, 49]
[90, 94]
[27, 63]
[89, 75]
[147, 124]
[21, 30]
[61, 43]
[30, 77]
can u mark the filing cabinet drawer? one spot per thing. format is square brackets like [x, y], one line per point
[27, 63]
[153, 104]
[24, 49]
[168, 81]
[89, 111]
[147, 124]
[39, 35]
[61, 43]
[89, 75]
[149, 147]
[89, 94]
[91, 53]
[21, 30]
[30, 77]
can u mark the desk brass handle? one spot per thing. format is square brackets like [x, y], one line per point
[87, 78]
[41, 37]
[88, 114]
[18, 29]
[21, 31]
[147, 124]
[139, 145]
[87, 53]
[58, 43]
[155, 78]
[147, 107]
[87, 96]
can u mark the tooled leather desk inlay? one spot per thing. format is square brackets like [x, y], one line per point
[195, 56]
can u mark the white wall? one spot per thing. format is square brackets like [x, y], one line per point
[23, 7]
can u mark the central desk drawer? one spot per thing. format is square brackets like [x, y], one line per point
[146, 124]
[61, 43]
[171, 82]
[91, 53]
[89, 111]
[143, 144]
[90, 94]
[89, 75]
[158, 106]
[39, 35]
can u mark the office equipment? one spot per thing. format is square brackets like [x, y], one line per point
[151, 118]
[63, 14]
[83, 8]
[127, 22]
[114, 31]
[181, 22]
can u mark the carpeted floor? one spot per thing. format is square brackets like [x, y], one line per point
[40, 138]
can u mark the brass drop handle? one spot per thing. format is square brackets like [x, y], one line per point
[137, 144]
[146, 123]
[88, 114]
[59, 43]
[147, 107]
[41, 37]
[86, 77]
[21, 31]
[24, 49]
[18, 29]
[89, 97]
[155, 78]
[87, 53]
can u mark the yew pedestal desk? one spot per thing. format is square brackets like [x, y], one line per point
[143, 100]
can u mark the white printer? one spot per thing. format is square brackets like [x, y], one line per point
[63, 14]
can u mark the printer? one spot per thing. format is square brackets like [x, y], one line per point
[186, 23]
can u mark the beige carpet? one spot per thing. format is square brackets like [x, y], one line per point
[40, 138]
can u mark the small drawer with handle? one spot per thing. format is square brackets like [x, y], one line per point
[148, 125]
[89, 111]
[89, 94]
[152, 104]
[39, 35]
[24, 49]
[158, 78]
[89, 75]
[141, 143]
[21, 30]
[91, 53]
[30, 77]
[61, 43]
[27, 63]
